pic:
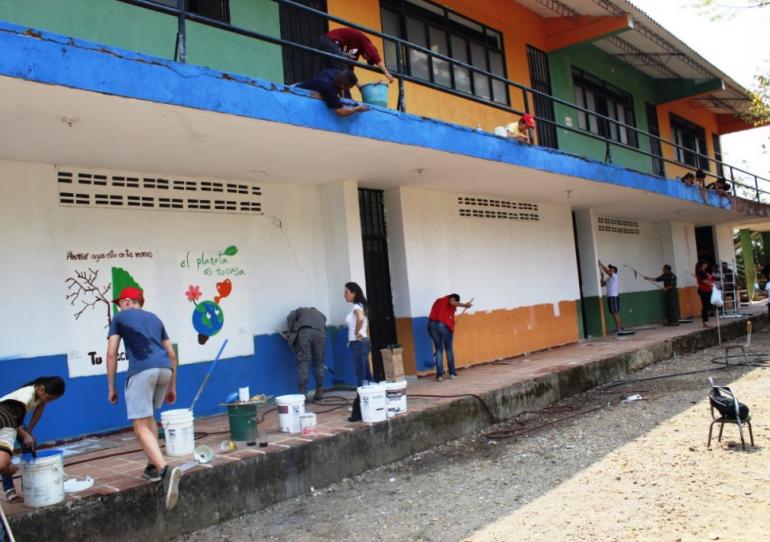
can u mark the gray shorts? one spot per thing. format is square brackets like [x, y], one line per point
[145, 392]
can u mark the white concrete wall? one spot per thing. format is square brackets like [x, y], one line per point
[499, 263]
[723, 244]
[283, 254]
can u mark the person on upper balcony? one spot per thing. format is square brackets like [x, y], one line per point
[700, 178]
[689, 178]
[520, 130]
[330, 85]
[352, 44]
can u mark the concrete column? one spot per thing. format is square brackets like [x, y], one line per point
[724, 245]
[748, 261]
[344, 248]
[589, 268]
[397, 254]
[678, 249]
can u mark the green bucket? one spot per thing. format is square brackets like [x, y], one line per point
[243, 422]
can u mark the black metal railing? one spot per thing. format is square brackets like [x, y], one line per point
[745, 184]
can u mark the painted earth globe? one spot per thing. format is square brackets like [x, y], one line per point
[207, 319]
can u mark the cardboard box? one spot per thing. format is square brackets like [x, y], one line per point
[393, 363]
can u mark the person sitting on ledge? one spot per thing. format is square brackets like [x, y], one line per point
[520, 130]
[700, 178]
[689, 178]
[720, 185]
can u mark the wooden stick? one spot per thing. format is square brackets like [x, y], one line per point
[640, 274]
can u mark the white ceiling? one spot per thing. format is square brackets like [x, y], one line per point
[67, 127]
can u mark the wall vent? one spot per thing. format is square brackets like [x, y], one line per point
[97, 190]
[617, 225]
[499, 209]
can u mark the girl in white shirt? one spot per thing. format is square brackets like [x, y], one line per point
[358, 332]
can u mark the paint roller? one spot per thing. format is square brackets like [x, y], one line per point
[208, 375]
[637, 273]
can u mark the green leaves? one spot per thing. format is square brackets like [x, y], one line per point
[232, 250]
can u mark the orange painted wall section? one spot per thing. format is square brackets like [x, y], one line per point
[687, 109]
[519, 27]
[689, 302]
[405, 337]
[487, 336]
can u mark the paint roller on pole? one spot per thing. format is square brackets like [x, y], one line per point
[638, 274]
[208, 375]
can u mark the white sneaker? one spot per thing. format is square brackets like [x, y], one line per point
[171, 479]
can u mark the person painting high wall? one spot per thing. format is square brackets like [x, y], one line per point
[613, 299]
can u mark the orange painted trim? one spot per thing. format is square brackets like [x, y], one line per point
[564, 32]
[505, 333]
[405, 337]
[689, 302]
[729, 124]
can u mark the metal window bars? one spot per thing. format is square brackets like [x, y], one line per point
[745, 185]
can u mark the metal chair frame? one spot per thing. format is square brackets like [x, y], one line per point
[741, 347]
[723, 419]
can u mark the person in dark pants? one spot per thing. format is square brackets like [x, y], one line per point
[329, 85]
[705, 287]
[441, 327]
[306, 336]
[670, 294]
[350, 43]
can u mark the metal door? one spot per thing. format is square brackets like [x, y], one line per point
[540, 79]
[298, 26]
[382, 322]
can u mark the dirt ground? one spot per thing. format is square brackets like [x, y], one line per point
[587, 469]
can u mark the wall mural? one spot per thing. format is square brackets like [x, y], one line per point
[95, 278]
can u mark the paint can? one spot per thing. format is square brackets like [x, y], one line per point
[243, 422]
[307, 423]
[289, 409]
[395, 396]
[42, 478]
[179, 431]
[373, 403]
[375, 94]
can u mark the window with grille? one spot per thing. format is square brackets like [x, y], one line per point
[496, 208]
[219, 10]
[691, 139]
[98, 190]
[449, 34]
[596, 95]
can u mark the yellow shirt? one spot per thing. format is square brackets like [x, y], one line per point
[25, 395]
[513, 131]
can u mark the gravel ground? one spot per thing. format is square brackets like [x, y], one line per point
[455, 490]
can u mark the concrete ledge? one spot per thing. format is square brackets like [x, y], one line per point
[227, 491]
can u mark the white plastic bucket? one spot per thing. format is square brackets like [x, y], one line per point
[307, 423]
[395, 395]
[289, 409]
[179, 431]
[42, 479]
[373, 404]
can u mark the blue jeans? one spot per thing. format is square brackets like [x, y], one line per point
[442, 340]
[360, 351]
[7, 482]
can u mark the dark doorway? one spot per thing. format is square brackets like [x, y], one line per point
[540, 78]
[704, 243]
[298, 26]
[382, 322]
[583, 316]
[658, 167]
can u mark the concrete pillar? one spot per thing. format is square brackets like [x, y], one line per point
[344, 248]
[589, 268]
[748, 261]
[724, 245]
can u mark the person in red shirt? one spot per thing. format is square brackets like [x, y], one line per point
[705, 287]
[441, 327]
[352, 44]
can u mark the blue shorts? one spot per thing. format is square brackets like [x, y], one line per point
[614, 304]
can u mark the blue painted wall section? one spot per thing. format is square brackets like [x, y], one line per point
[423, 346]
[84, 409]
[53, 59]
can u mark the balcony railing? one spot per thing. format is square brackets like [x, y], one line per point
[745, 184]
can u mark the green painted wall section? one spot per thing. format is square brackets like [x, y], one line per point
[149, 32]
[599, 64]
[748, 261]
[636, 308]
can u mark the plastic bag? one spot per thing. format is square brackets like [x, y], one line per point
[716, 297]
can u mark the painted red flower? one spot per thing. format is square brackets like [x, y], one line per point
[193, 293]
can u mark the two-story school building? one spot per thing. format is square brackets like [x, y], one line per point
[160, 144]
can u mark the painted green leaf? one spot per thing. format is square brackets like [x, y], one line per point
[232, 250]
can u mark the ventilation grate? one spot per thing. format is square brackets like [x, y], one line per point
[617, 225]
[97, 190]
[499, 209]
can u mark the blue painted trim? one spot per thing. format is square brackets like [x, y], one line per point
[84, 409]
[58, 60]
